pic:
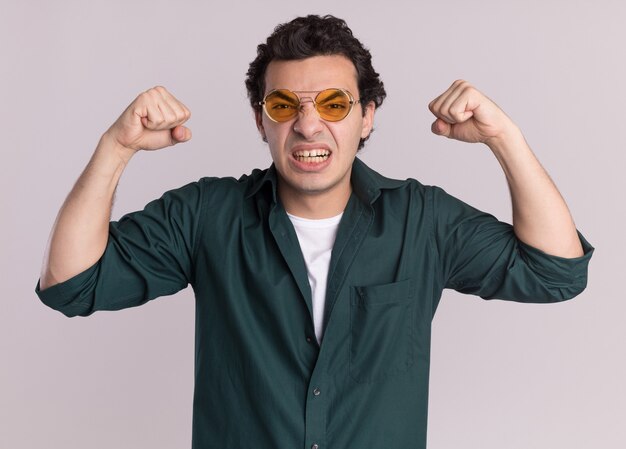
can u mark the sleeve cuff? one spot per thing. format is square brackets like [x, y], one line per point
[559, 270]
[65, 296]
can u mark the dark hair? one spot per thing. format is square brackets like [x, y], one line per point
[313, 35]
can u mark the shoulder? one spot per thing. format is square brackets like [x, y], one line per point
[399, 194]
[371, 184]
[210, 189]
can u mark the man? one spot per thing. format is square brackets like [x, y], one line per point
[315, 280]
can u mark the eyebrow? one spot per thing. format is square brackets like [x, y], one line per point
[283, 96]
[335, 94]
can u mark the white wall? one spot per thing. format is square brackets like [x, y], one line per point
[503, 374]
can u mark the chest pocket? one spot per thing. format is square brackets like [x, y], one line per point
[382, 331]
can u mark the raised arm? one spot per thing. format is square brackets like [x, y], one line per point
[540, 216]
[80, 233]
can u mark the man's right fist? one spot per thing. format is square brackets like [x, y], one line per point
[152, 121]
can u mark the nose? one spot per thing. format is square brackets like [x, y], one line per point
[308, 124]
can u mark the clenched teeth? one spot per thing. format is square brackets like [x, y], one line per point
[310, 156]
[311, 153]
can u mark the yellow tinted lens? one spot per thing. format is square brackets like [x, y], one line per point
[333, 104]
[282, 105]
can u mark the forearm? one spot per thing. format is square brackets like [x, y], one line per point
[541, 217]
[80, 232]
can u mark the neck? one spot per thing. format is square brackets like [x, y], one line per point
[314, 205]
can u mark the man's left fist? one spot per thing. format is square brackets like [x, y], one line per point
[463, 113]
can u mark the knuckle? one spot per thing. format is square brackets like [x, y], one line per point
[469, 91]
[456, 112]
[179, 115]
[143, 96]
[154, 92]
[182, 115]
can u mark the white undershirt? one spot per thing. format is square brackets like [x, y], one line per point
[317, 238]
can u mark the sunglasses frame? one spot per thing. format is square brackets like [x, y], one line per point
[352, 102]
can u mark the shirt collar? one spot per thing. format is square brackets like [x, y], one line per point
[366, 183]
[262, 177]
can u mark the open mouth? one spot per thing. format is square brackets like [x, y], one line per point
[311, 156]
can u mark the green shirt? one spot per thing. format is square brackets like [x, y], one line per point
[261, 379]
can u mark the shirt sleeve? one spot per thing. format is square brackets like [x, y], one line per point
[149, 253]
[482, 256]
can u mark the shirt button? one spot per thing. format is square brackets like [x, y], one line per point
[314, 446]
[308, 339]
[316, 391]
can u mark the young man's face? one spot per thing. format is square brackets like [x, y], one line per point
[289, 141]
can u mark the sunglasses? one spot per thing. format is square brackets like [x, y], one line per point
[332, 105]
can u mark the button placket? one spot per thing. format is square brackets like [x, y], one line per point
[316, 409]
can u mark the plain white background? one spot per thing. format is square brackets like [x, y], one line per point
[503, 375]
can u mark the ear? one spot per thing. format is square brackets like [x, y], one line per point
[258, 117]
[368, 120]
